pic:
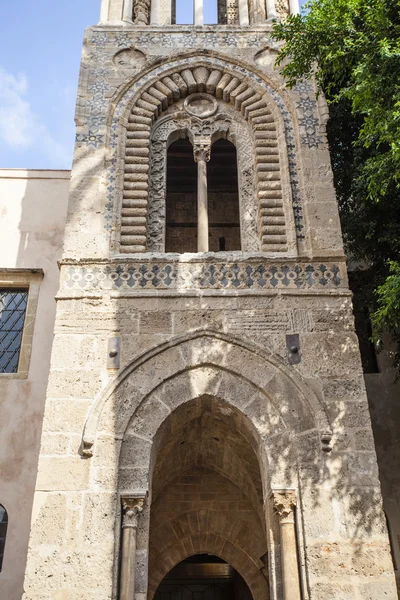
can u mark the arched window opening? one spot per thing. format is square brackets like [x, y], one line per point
[3, 533]
[203, 577]
[223, 198]
[181, 200]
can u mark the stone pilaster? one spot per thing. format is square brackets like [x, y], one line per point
[284, 505]
[132, 508]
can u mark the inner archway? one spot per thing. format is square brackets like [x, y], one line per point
[181, 200]
[203, 577]
[207, 496]
[223, 199]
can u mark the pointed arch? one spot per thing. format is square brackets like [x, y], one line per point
[274, 384]
[251, 95]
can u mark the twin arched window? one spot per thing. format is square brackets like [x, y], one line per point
[182, 217]
[3, 532]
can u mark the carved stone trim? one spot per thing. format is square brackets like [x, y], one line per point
[284, 505]
[202, 149]
[222, 274]
[132, 508]
[141, 12]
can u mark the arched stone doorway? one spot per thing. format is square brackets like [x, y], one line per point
[203, 577]
[207, 493]
[184, 386]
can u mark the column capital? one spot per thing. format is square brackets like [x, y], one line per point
[202, 149]
[132, 508]
[284, 504]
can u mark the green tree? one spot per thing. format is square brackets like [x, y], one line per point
[352, 49]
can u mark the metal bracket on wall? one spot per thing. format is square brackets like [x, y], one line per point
[293, 348]
[114, 353]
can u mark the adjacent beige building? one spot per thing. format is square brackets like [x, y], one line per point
[33, 210]
[206, 433]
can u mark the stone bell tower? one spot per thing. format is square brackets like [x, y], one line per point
[206, 407]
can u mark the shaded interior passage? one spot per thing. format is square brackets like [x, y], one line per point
[207, 500]
[203, 577]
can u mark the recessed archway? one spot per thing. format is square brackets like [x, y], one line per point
[206, 493]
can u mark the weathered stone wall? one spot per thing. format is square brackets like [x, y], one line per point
[383, 395]
[140, 336]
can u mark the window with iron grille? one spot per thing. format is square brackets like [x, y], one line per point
[3, 532]
[13, 304]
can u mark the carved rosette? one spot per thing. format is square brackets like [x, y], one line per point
[284, 505]
[132, 508]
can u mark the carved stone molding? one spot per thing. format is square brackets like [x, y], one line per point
[202, 149]
[141, 12]
[284, 504]
[132, 508]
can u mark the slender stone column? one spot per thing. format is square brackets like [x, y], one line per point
[198, 12]
[294, 7]
[271, 10]
[155, 12]
[105, 5]
[284, 504]
[131, 510]
[127, 12]
[244, 12]
[202, 153]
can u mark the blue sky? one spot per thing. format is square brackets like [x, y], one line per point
[40, 48]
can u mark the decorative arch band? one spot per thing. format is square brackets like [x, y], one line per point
[147, 99]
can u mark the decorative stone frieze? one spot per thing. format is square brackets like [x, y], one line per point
[218, 274]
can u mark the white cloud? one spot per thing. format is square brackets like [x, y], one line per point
[20, 126]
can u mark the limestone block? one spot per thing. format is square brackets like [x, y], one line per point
[79, 352]
[62, 474]
[188, 385]
[134, 480]
[346, 388]
[78, 383]
[104, 479]
[97, 522]
[363, 514]
[54, 444]
[133, 346]
[135, 451]
[107, 451]
[354, 558]
[48, 519]
[379, 590]
[192, 320]
[155, 322]
[334, 591]
[330, 354]
[148, 418]
[65, 416]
